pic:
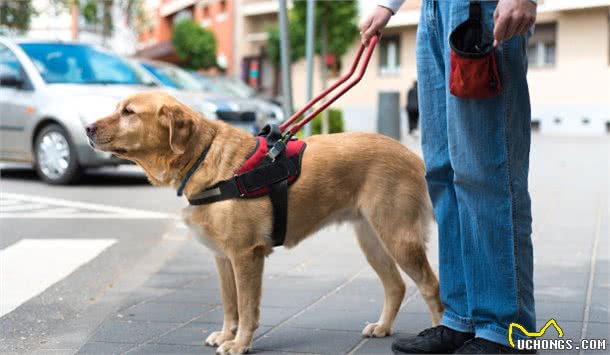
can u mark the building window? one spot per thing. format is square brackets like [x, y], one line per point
[389, 54]
[541, 49]
[186, 14]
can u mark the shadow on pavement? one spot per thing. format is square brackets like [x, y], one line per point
[90, 178]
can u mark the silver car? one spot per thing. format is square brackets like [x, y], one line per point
[246, 114]
[48, 92]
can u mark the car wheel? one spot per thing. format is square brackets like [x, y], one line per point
[56, 161]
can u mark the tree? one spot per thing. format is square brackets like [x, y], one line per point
[16, 14]
[340, 18]
[336, 32]
[195, 45]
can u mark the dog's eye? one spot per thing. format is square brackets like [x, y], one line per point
[126, 111]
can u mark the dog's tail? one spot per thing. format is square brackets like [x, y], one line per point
[427, 217]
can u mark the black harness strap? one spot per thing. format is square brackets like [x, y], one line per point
[273, 172]
[248, 182]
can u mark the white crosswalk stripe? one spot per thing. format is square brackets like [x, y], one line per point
[30, 266]
[20, 206]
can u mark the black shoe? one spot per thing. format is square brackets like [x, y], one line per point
[436, 340]
[484, 346]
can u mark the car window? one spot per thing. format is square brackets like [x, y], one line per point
[9, 64]
[174, 77]
[159, 75]
[79, 64]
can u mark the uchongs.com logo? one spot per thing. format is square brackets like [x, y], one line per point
[534, 342]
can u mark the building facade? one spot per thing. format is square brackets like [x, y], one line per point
[569, 57]
[569, 63]
[162, 15]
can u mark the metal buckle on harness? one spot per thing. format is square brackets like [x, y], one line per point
[239, 186]
[276, 150]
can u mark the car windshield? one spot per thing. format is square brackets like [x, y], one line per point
[173, 77]
[238, 87]
[80, 64]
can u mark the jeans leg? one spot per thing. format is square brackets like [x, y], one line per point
[488, 142]
[432, 90]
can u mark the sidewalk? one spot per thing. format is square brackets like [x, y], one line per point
[318, 297]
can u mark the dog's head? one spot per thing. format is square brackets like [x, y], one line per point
[152, 129]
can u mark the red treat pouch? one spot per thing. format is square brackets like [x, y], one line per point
[474, 72]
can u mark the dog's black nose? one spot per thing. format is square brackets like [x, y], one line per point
[91, 129]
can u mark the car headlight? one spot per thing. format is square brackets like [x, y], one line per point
[208, 110]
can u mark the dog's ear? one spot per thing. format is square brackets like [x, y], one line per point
[180, 127]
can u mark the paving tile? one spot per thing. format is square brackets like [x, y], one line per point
[560, 311]
[601, 280]
[290, 298]
[407, 322]
[308, 341]
[325, 319]
[269, 316]
[599, 312]
[560, 294]
[375, 346]
[602, 266]
[164, 312]
[598, 331]
[103, 348]
[571, 330]
[194, 334]
[162, 280]
[115, 331]
[560, 278]
[600, 296]
[210, 296]
[172, 349]
[143, 294]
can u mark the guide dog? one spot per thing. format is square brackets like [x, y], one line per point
[367, 179]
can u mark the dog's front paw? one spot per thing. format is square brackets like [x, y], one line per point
[376, 330]
[217, 338]
[231, 347]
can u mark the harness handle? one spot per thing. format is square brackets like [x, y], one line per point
[297, 126]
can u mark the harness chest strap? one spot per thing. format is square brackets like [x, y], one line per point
[265, 178]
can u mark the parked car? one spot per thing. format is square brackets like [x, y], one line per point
[225, 85]
[48, 91]
[246, 114]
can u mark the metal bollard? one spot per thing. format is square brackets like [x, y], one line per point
[388, 114]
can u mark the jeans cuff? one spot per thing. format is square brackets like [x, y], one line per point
[496, 334]
[456, 322]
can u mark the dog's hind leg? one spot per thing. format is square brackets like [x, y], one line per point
[385, 267]
[228, 293]
[248, 268]
[406, 244]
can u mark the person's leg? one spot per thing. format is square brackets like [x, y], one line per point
[488, 142]
[411, 120]
[432, 89]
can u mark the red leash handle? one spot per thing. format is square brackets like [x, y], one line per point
[294, 129]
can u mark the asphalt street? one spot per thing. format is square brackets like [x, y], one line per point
[105, 266]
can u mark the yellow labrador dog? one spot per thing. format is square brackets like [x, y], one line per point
[367, 179]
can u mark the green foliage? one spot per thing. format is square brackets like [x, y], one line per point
[16, 15]
[89, 12]
[195, 45]
[297, 43]
[335, 119]
[339, 17]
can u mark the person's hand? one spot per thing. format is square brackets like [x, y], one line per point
[374, 23]
[513, 17]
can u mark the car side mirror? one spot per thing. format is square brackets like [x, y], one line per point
[11, 80]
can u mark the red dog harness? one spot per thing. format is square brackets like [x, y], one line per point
[261, 174]
[275, 163]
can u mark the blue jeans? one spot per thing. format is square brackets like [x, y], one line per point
[476, 153]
